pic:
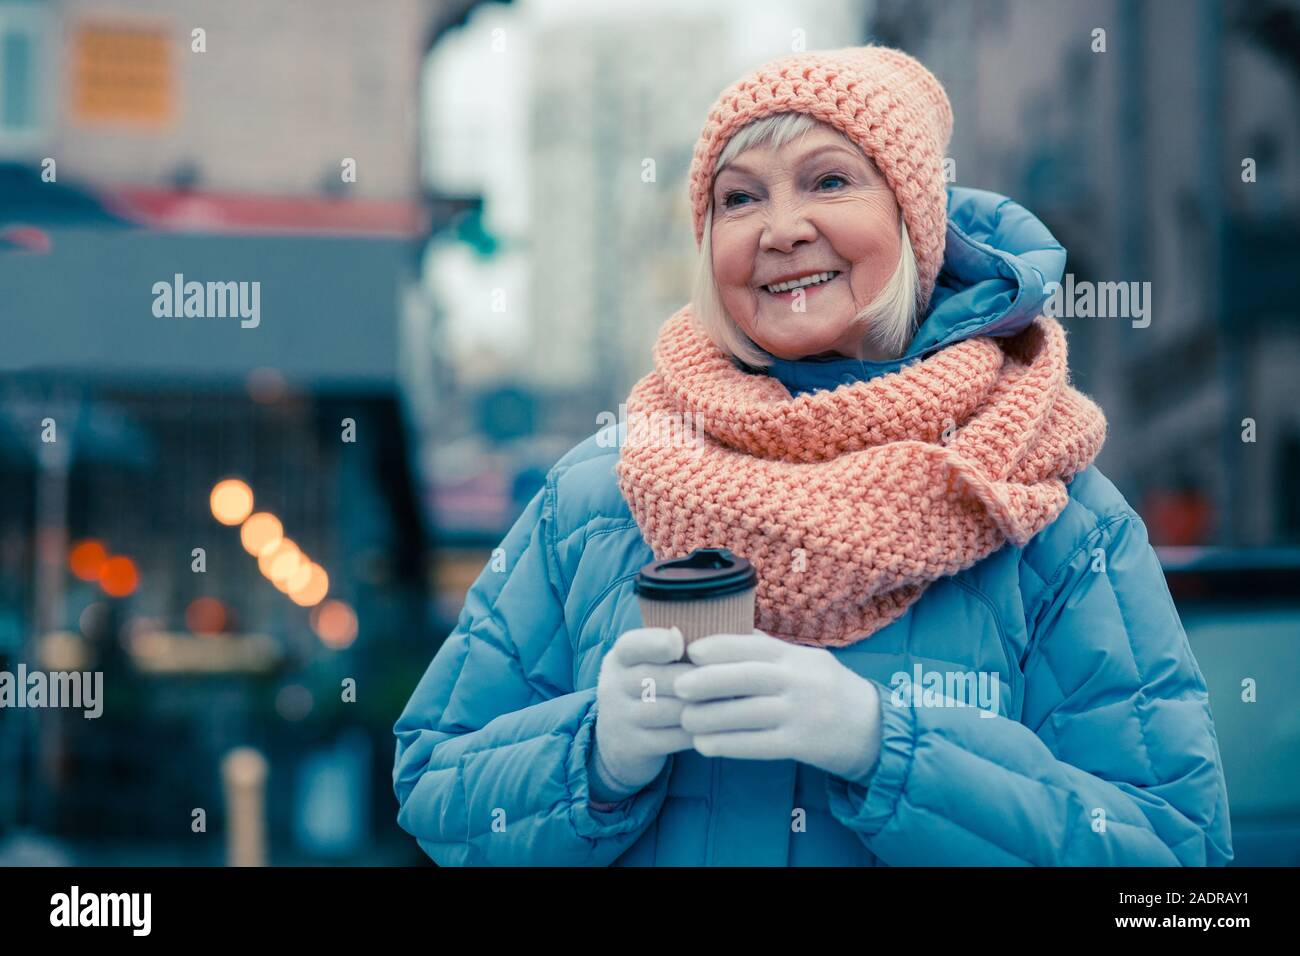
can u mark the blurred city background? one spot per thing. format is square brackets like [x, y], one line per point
[461, 265]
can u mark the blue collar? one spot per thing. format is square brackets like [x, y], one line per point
[999, 263]
[814, 374]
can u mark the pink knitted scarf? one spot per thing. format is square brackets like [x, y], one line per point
[850, 502]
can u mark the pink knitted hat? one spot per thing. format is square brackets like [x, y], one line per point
[880, 98]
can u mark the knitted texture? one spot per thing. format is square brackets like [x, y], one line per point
[850, 502]
[883, 100]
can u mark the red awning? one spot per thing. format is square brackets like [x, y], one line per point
[174, 210]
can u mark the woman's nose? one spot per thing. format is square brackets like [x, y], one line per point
[787, 223]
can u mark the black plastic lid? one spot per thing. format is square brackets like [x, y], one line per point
[704, 573]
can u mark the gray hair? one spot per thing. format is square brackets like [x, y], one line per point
[888, 322]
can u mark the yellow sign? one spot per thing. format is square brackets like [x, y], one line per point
[121, 73]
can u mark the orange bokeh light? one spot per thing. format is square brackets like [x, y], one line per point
[300, 578]
[313, 591]
[273, 553]
[335, 624]
[231, 500]
[286, 564]
[86, 559]
[206, 615]
[260, 532]
[118, 577]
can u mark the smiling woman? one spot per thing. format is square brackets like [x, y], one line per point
[909, 496]
[808, 254]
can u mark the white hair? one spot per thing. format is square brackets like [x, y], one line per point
[888, 322]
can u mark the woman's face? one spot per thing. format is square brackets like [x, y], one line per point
[814, 205]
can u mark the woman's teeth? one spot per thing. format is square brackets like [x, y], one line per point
[814, 279]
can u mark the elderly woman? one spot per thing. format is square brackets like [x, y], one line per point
[965, 651]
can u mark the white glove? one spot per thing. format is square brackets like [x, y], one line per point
[638, 715]
[793, 703]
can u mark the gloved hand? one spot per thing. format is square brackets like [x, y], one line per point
[793, 702]
[637, 725]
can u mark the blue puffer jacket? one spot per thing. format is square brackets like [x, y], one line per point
[1102, 750]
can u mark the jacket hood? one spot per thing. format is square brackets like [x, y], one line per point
[999, 263]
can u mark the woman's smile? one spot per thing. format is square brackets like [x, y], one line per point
[807, 285]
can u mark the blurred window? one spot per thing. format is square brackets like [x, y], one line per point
[22, 32]
[16, 56]
[1288, 466]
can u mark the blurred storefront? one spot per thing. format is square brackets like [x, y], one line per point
[266, 159]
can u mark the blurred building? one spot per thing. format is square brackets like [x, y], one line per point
[278, 149]
[615, 106]
[1127, 127]
[98, 81]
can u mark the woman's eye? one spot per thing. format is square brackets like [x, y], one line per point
[830, 176]
[726, 200]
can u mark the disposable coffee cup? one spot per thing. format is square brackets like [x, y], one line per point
[710, 591]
